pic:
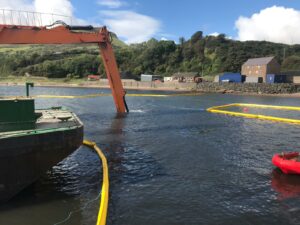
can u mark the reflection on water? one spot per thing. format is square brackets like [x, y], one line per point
[287, 186]
[170, 162]
[288, 193]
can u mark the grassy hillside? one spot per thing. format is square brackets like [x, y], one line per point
[207, 55]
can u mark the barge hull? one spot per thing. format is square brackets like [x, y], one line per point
[25, 158]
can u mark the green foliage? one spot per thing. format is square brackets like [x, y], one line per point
[291, 63]
[206, 55]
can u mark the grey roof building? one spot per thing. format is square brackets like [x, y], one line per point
[258, 61]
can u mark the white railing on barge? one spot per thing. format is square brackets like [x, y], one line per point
[27, 18]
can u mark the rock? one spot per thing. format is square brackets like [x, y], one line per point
[223, 91]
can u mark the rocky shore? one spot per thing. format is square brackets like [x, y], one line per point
[257, 88]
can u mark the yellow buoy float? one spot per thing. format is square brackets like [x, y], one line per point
[222, 110]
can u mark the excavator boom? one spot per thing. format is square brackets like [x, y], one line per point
[63, 34]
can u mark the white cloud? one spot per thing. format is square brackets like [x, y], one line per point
[215, 34]
[113, 4]
[131, 26]
[164, 39]
[275, 24]
[61, 7]
[16, 4]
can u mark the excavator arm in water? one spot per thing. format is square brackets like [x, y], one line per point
[60, 33]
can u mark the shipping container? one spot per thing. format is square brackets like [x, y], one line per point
[231, 77]
[282, 78]
[243, 78]
[290, 79]
[270, 78]
[146, 78]
[274, 78]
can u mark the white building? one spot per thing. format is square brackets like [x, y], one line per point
[146, 78]
[149, 78]
[167, 79]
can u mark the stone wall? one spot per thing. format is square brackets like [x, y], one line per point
[262, 88]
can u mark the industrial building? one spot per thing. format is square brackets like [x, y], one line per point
[258, 68]
[150, 78]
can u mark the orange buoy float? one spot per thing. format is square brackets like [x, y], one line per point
[289, 162]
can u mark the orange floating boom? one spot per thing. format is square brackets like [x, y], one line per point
[63, 34]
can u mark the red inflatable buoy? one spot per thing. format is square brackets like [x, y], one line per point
[289, 162]
[245, 110]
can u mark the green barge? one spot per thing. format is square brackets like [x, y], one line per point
[32, 141]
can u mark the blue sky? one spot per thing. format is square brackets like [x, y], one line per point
[183, 18]
[138, 20]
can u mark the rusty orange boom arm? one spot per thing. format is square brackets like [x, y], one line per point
[62, 34]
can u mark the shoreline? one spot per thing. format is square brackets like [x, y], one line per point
[99, 86]
[92, 86]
